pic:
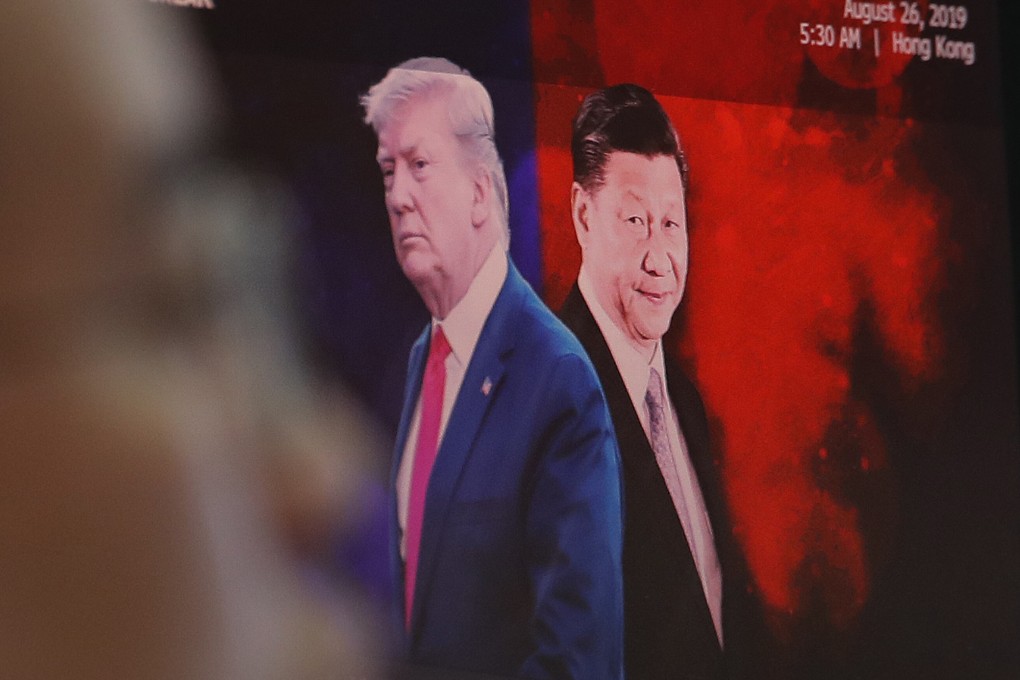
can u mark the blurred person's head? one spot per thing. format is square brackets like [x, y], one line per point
[137, 411]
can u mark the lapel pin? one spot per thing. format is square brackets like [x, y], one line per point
[486, 386]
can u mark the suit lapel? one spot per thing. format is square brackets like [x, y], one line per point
[478, 392]
[415, 372]
[578, 318]
[691, 413]
[635, 451]
[643, 482]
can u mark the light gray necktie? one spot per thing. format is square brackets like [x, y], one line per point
[700, 541]
[655, 402]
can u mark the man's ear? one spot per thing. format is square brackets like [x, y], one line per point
[580, 210]
[481, 204]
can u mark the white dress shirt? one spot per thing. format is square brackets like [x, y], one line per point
[462, 327]
[693, 515]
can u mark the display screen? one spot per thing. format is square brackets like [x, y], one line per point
[849, 316]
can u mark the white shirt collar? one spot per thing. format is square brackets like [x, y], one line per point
[632, 365]
[463, 325]
[690, 508]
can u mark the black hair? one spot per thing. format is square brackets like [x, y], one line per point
[623, 117]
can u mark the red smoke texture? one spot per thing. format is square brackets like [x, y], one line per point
[809, 231]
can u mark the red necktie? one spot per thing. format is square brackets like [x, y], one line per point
[432, 388]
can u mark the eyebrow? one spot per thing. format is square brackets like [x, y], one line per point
[675, 202]
[406, 150]
[633, 194]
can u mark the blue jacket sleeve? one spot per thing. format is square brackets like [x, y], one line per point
[574, 533]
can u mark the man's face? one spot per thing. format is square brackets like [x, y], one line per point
[429, 197]
[633, 236]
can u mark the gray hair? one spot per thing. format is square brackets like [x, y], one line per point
[469, 108]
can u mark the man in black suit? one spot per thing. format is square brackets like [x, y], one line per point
[688, 605]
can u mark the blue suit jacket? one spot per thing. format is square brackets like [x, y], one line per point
[520, 564]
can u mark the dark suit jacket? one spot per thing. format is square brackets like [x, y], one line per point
[520, 564]
[668, 630]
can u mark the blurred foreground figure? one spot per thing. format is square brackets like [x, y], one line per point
[151, 409]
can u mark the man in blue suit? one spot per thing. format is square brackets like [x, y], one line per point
[506, 517]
